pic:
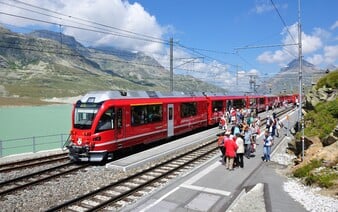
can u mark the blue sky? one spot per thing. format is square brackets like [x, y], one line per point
[209, 36]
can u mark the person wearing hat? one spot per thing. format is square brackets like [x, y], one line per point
[230, 152]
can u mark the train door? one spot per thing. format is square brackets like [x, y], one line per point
[119, 123]
[170, 118]
[104, 130]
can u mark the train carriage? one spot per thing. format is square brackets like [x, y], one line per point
[106, 121]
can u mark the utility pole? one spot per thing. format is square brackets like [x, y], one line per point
[171, 66]
[300, 117]
[237, 75]
[252, 82]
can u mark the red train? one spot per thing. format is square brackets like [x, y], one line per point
[106, 121]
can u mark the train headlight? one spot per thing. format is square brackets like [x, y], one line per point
[79, 141]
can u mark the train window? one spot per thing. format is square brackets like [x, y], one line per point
[261, 100]
[217, 105]
[170, 113]
[229, 104]
[145, 114]
[239, 103]
[188, 109]
[106, 121]
[84, 117]
[119, 118]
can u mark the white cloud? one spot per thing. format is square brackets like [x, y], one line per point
[316, 59]
[117, 14]
[310, 44]
[263, 7]
[331, 54]
[279, 57]
[334, 26]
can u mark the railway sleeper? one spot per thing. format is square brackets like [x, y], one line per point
[77, 208]
[163, 169]
[101, 197]
[112, 193]
[90, 203]
[131, 184]
[138, 181]
[147, 177]
[122, 188]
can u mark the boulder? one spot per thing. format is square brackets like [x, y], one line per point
[322, 94]
[332, 97]
[335, 132]
[327, 141]
[297, 146]
[292, 146]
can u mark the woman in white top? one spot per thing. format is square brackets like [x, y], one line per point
[240, 150]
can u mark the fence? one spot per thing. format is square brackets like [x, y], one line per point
[32, 144]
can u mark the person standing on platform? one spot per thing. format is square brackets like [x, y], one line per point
[240, 150]
[267, 143]
[223, 123]
[220, 143]
[247, 141]
[230, 153]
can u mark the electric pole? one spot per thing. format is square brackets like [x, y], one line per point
[300, 117]
[171, 66]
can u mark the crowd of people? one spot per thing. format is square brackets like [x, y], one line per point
[238, 138]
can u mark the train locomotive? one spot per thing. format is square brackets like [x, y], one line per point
[106, 121]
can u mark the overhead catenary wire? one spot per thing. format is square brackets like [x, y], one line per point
[102, 30]
[106, 29]
[90, 21]
[281, 18]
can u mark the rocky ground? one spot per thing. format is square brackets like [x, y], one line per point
[317, 151]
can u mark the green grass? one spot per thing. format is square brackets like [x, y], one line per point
[324, 178]
[330, 80]
[305, 170]
[322, 120]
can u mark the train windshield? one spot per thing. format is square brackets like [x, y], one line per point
[84, 117]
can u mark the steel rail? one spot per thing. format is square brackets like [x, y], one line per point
[26, 180]
[6, 167]
[122, 195]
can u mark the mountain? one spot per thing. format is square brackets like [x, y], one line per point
[45, 64]
[287, 79]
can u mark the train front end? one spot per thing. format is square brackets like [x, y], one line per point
[84, 145]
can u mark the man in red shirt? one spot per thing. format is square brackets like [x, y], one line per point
[230, 147]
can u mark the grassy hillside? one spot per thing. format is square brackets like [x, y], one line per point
[319, 168]
[324, 118]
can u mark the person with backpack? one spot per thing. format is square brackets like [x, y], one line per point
[273, 124]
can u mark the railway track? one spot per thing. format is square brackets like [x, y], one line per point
[14, 166]
[115, 195]
[32, 179]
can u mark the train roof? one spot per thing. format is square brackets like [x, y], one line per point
[100, 96]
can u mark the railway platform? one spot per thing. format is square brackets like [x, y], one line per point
[210, 187]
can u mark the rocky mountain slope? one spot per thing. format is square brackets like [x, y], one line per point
[46, 64]
[319, 166]
[287, 79]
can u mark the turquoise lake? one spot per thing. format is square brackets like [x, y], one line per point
[47, 124]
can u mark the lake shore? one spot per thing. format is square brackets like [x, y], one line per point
[30, 101]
